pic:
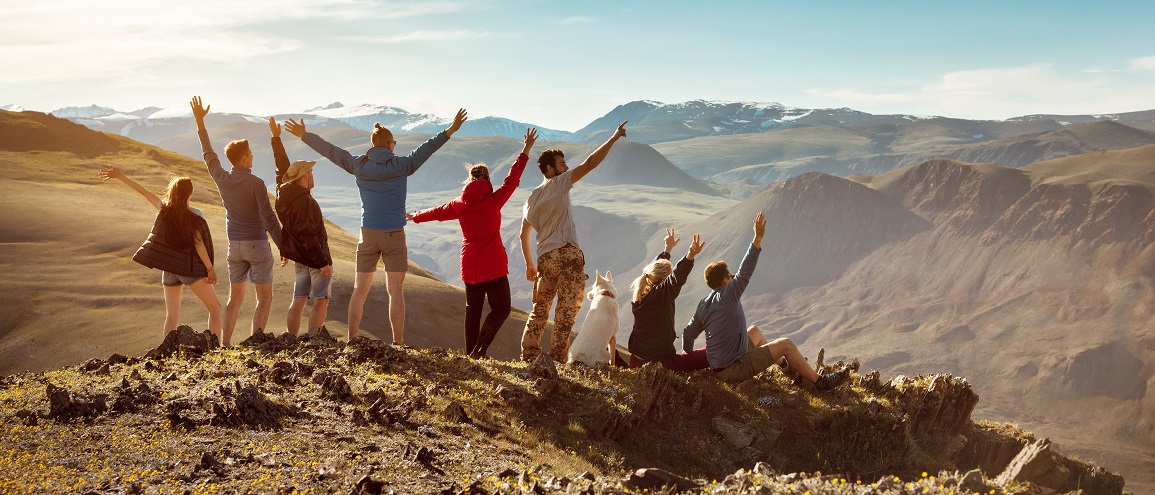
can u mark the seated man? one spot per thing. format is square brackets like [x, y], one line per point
[736, 352]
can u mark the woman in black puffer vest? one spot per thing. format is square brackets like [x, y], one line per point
[181, 246]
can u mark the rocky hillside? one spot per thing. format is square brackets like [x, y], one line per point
[280, 414]
[1037, 283]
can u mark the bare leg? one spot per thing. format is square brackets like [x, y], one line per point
[264, 307]
[296, 310]
[756, 337]
[317, 315]
[395, 284]
[786, 347]
[204, 291]
[361, 287]
[232, 309]
[172, 296]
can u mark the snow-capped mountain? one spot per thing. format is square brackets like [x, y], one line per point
[150, 120]
[654, 122]
[12, 108]
[89, 112]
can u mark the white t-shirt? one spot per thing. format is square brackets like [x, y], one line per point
[549, 212]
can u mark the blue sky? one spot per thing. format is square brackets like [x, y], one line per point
[561, 64]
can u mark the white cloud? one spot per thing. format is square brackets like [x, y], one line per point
[421, 36]
[996, 93]
[1145, 64]
[577, 19]
[81, 40]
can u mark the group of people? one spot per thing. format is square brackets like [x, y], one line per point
[181, 246]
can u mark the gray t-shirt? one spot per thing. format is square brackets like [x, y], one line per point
[549, 212]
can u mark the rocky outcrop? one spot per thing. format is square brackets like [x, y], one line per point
[1038, 465]
[185, 340]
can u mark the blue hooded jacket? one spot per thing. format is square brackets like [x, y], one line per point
[381, 177]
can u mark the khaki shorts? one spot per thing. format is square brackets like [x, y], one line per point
[753, 362]
[387, 245]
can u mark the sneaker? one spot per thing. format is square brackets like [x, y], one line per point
[831, 380]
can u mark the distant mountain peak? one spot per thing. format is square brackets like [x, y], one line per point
[82, 112]
[331, 106]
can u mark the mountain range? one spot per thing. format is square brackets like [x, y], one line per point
[736, 146]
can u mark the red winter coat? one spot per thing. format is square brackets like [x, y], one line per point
[478, 209]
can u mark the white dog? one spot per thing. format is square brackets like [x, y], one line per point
[597, 340]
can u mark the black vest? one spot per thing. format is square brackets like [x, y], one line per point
[157, 252]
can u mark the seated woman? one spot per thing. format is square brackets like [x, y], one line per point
[180, 246]
[653, 305]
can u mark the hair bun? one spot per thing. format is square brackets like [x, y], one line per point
[376, 125]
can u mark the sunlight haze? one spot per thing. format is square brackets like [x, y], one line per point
[563, 64]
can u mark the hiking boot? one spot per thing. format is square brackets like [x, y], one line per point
[831, 380]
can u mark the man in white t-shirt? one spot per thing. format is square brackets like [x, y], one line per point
[560, 267]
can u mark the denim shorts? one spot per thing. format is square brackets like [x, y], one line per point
[252, 260]
[172, 280]
[310, 283]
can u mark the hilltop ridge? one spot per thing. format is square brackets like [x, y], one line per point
[314, 414]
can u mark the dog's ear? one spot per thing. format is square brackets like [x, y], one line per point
[609, 276]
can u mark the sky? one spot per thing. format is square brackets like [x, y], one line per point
[562, 64]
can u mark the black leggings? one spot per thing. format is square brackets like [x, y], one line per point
[478, 338]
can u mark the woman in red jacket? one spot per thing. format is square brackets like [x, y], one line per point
[484, 265]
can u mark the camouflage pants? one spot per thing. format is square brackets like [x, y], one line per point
[560, 273]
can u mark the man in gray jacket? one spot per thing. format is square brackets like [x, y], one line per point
[248, 216]
[736, 352]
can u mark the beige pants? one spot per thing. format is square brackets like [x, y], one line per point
[560, 273]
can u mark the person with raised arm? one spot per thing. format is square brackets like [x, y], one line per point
[181, 246]
[248, 216]
[303, 237]
[654, 293]
[382, 179]
[737, 352]
[484, 264]
[560, 267]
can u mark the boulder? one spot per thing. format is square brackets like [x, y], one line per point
[739, 435]
[184, 339]
[543, 367]
[654, 479]
[1038, 465]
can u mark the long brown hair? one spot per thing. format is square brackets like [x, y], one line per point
[175, 214]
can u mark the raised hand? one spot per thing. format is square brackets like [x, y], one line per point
[671, 240]
[295, 128]
[759, 229]
[274, 128]
[695, 247]
[529, 139]
[459, 119]
[199, 111]
[621, 132]
[109, 173]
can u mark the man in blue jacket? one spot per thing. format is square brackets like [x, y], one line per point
[382, 179]
[736, 352]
